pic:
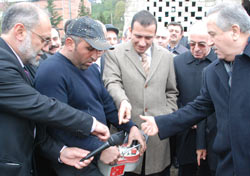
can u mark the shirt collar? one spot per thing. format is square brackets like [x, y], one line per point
[18, 58]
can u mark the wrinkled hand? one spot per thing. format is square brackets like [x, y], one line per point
[72, 155]
[124, 113]
[101, 131]
[149, 127]
[135, 134]
[201, 154]
[110, 155]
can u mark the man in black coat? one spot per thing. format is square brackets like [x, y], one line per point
[188, 70]
[25, 30]
[225, 91]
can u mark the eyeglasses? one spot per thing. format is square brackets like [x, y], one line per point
[200, 44]
[44, 40]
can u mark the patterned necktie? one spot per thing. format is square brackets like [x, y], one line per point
[145, 63]
[229, 69]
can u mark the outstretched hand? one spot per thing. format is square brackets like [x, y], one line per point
[149, 127]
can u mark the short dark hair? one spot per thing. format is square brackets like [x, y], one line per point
[176, 24]
[145, 18]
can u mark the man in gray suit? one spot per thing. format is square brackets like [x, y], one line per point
[147, 88]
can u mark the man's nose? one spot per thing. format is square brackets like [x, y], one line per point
[142, 42]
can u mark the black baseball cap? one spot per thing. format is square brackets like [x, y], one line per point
[111, 27]
[90, 30]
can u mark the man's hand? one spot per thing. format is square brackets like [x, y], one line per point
[201, 154]
[135, 134]
[101, 131]
[149, 127]
[71, 156]
[110, 155]
[124, 113]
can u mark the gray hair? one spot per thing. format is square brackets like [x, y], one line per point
[25, 13]
[229, 14]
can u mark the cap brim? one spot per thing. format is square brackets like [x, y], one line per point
[99, 44]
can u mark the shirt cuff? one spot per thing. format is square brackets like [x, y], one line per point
[93, 125]
[59, 160]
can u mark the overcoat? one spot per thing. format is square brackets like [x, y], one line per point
[231, 106]
[155, 94]
[188, 70]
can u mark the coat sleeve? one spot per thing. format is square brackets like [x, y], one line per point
[23, 101]
[112, 78]
[171, 88]
[187, 116]
[201, 135]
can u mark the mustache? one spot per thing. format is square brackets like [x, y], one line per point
[53, 46]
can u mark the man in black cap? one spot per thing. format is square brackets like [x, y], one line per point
[112, 34]
[77, 82]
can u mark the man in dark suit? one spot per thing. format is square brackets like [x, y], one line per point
[188, 70]
[25, 30]
[225, 91]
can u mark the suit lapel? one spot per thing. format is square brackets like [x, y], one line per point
[222, 74]
[14, 59]
[155, 61]
[132, 55]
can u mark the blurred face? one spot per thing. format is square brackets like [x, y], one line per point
[199, 45]
[162, 40]
[55, 42]
[175, 34]
[112, 38]
[142, 37]
[84, 55]
[222, 42]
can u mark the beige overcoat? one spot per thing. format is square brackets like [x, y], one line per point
[155, 94]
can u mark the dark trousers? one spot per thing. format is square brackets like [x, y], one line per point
[195, 170]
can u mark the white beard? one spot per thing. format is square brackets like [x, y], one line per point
[27, 51]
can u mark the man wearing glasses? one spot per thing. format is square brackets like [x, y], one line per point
[188, 69]
[25, 31]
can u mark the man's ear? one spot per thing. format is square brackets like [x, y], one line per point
[70, 44]
[235, 31]
[20, 31]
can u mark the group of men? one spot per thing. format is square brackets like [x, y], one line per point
[140, 78]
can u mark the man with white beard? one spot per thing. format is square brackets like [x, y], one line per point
[25, 31]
